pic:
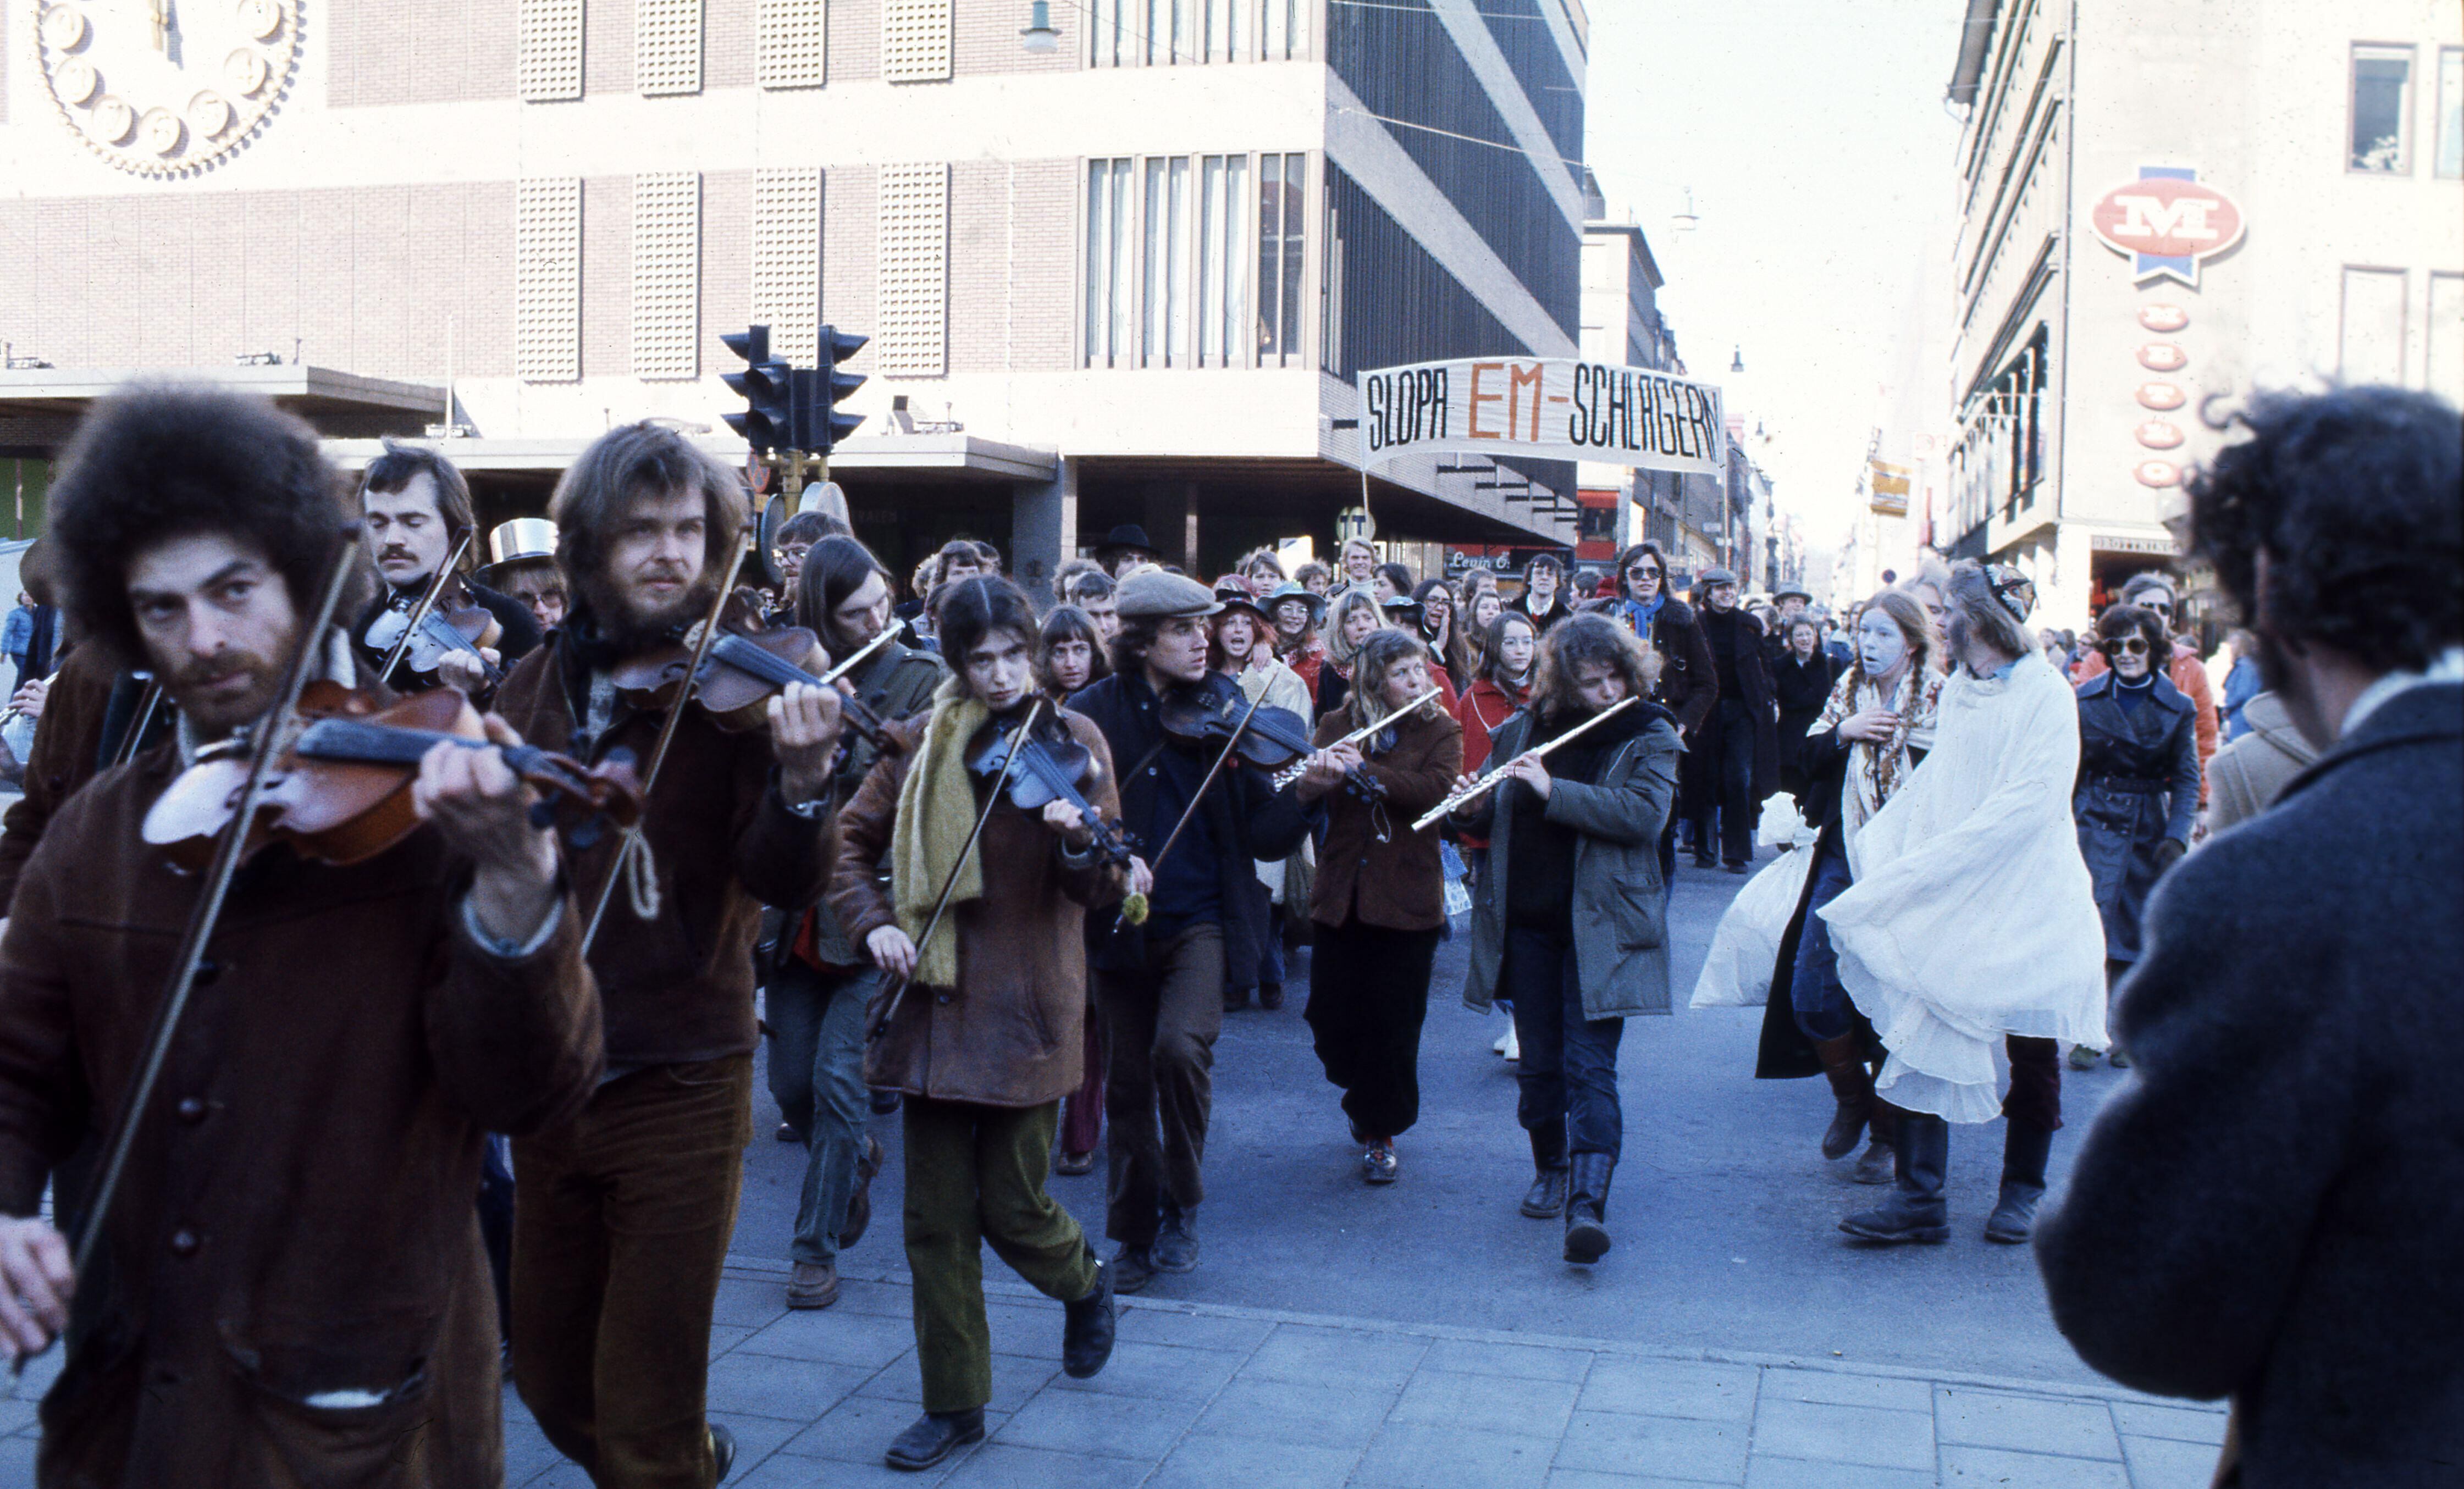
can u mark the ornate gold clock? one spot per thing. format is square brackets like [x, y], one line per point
[167, 87]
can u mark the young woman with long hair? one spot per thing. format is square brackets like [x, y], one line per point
[1511, 653]
[1569, 921]
[1442, 631]
[1354, 614]
[1068, 653]
[1244, 650]
[1379, 900]
[1878, 723]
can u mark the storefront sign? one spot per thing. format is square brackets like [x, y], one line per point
[2168, 224]
[1548, 407]
[1887, 486]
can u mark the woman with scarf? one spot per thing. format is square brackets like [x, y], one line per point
[1569, 921]
[1244, 650]
[1443, 631]
[985, 1037]
[1877, 724]
[1511, 648]
[2138, 792]
[1070, 655]
[1689, 685]
[1971, 919]
[1354, 615]
[1379, 900]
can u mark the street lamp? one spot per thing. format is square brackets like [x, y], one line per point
[1737, 359]
[1040, 34]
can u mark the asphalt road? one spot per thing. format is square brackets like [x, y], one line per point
[1723, 1211]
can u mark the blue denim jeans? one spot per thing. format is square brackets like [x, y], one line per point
[1813, 990]
[1568, 1070]
[815, 1021]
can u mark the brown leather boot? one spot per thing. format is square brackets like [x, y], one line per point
[1854, 1088]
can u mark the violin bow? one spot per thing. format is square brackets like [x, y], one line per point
[426, 603]
[941, 905]
[666, 737]
[148, 702]
[1134, 909]
[229, 849]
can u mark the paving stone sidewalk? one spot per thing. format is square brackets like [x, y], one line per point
[1200, 1395]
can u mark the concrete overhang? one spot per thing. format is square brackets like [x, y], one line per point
[41, 405]
[921, 457]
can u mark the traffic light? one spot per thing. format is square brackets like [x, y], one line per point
[768, 419]
[819, 423]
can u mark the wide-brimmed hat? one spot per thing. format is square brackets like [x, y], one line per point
[1129, 534]
[1798, 590]
[1153, 594]
[522, 540]
[1289, 590]
[1402, 610]
[1232, 592]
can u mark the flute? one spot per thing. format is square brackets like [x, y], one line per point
[1292, 771]
[1487, 781]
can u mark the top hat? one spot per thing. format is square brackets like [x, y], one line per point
[521, 540]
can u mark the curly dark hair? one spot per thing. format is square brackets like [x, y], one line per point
[158, 462]
[1588, 640]
[2356, 496]
[2122, 620]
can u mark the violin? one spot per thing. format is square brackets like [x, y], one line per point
[339, 788]
[1216, 709]
[428, 633]
[1041, 771]
[746, 666]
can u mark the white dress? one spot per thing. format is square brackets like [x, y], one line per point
[1972, 915]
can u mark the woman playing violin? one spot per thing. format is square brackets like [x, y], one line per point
[1244, 651]
[987, 1038]
[1379, 902]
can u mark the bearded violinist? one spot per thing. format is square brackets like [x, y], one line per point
[624, 1211]
[1160, 986]
[289, 1287]
[417, 507]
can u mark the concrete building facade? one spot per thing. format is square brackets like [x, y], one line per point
[1125, 279]
[2167, 206]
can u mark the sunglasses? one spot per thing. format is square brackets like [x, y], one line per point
[2125, 646]
[1643, 571]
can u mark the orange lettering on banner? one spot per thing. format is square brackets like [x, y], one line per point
[1472, 422]
[1515, 378]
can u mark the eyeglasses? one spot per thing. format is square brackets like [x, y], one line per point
[1643, 571]
[2123, 646]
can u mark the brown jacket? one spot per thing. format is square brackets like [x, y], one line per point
[1394, 883]
[66, 739]
[296, 1216]
[678, 987]
[1010, 1034]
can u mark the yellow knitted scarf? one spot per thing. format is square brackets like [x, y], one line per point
[937, 811]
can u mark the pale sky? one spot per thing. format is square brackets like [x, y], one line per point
[1821, 159]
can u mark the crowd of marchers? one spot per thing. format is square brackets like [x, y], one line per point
[563, 822]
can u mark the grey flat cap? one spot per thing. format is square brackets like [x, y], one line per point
[1151, 594]
[1713, 578]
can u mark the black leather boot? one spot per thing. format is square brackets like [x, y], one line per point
[1546, 1198]
[933, 1436]
[1880, 1160]
[1092, 1321]
[2025, 1145]
[1852, 1085]
[1915, 1212]
[1587, 1205]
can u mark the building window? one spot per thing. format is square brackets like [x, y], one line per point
[2382, 102]
[915, 40]
[2370, 348]
[1182, 33]
[2445, 369]
[1167, 234]
[914, 303]
[792, 43]
[547, 279]
[1110, 284]
[666, 274]
[549, 67]
[787, 260]
[667, 46]
[1282, 190]
[2451, 112]
[1222, 260]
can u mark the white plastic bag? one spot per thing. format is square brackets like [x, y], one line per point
[1737, 974]
[1782, 827]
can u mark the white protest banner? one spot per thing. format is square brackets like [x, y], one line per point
[1548, 407]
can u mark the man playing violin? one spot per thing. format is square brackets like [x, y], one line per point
[820, 978]
[416, 506]
[986, 1034]
[288, 1286]
[1160, 986]
[623, 1214]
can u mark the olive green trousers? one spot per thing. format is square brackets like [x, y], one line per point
[975, 1175]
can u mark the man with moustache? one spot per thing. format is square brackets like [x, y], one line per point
[416, 506]
[292, 1289]
[623, 1214]
[1160, 985]
[814, 998]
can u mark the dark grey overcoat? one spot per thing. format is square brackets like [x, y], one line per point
[2138, 785]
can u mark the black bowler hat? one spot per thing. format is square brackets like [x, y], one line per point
[1129, 534]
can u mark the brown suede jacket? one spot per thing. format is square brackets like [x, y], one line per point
[1393, 884]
